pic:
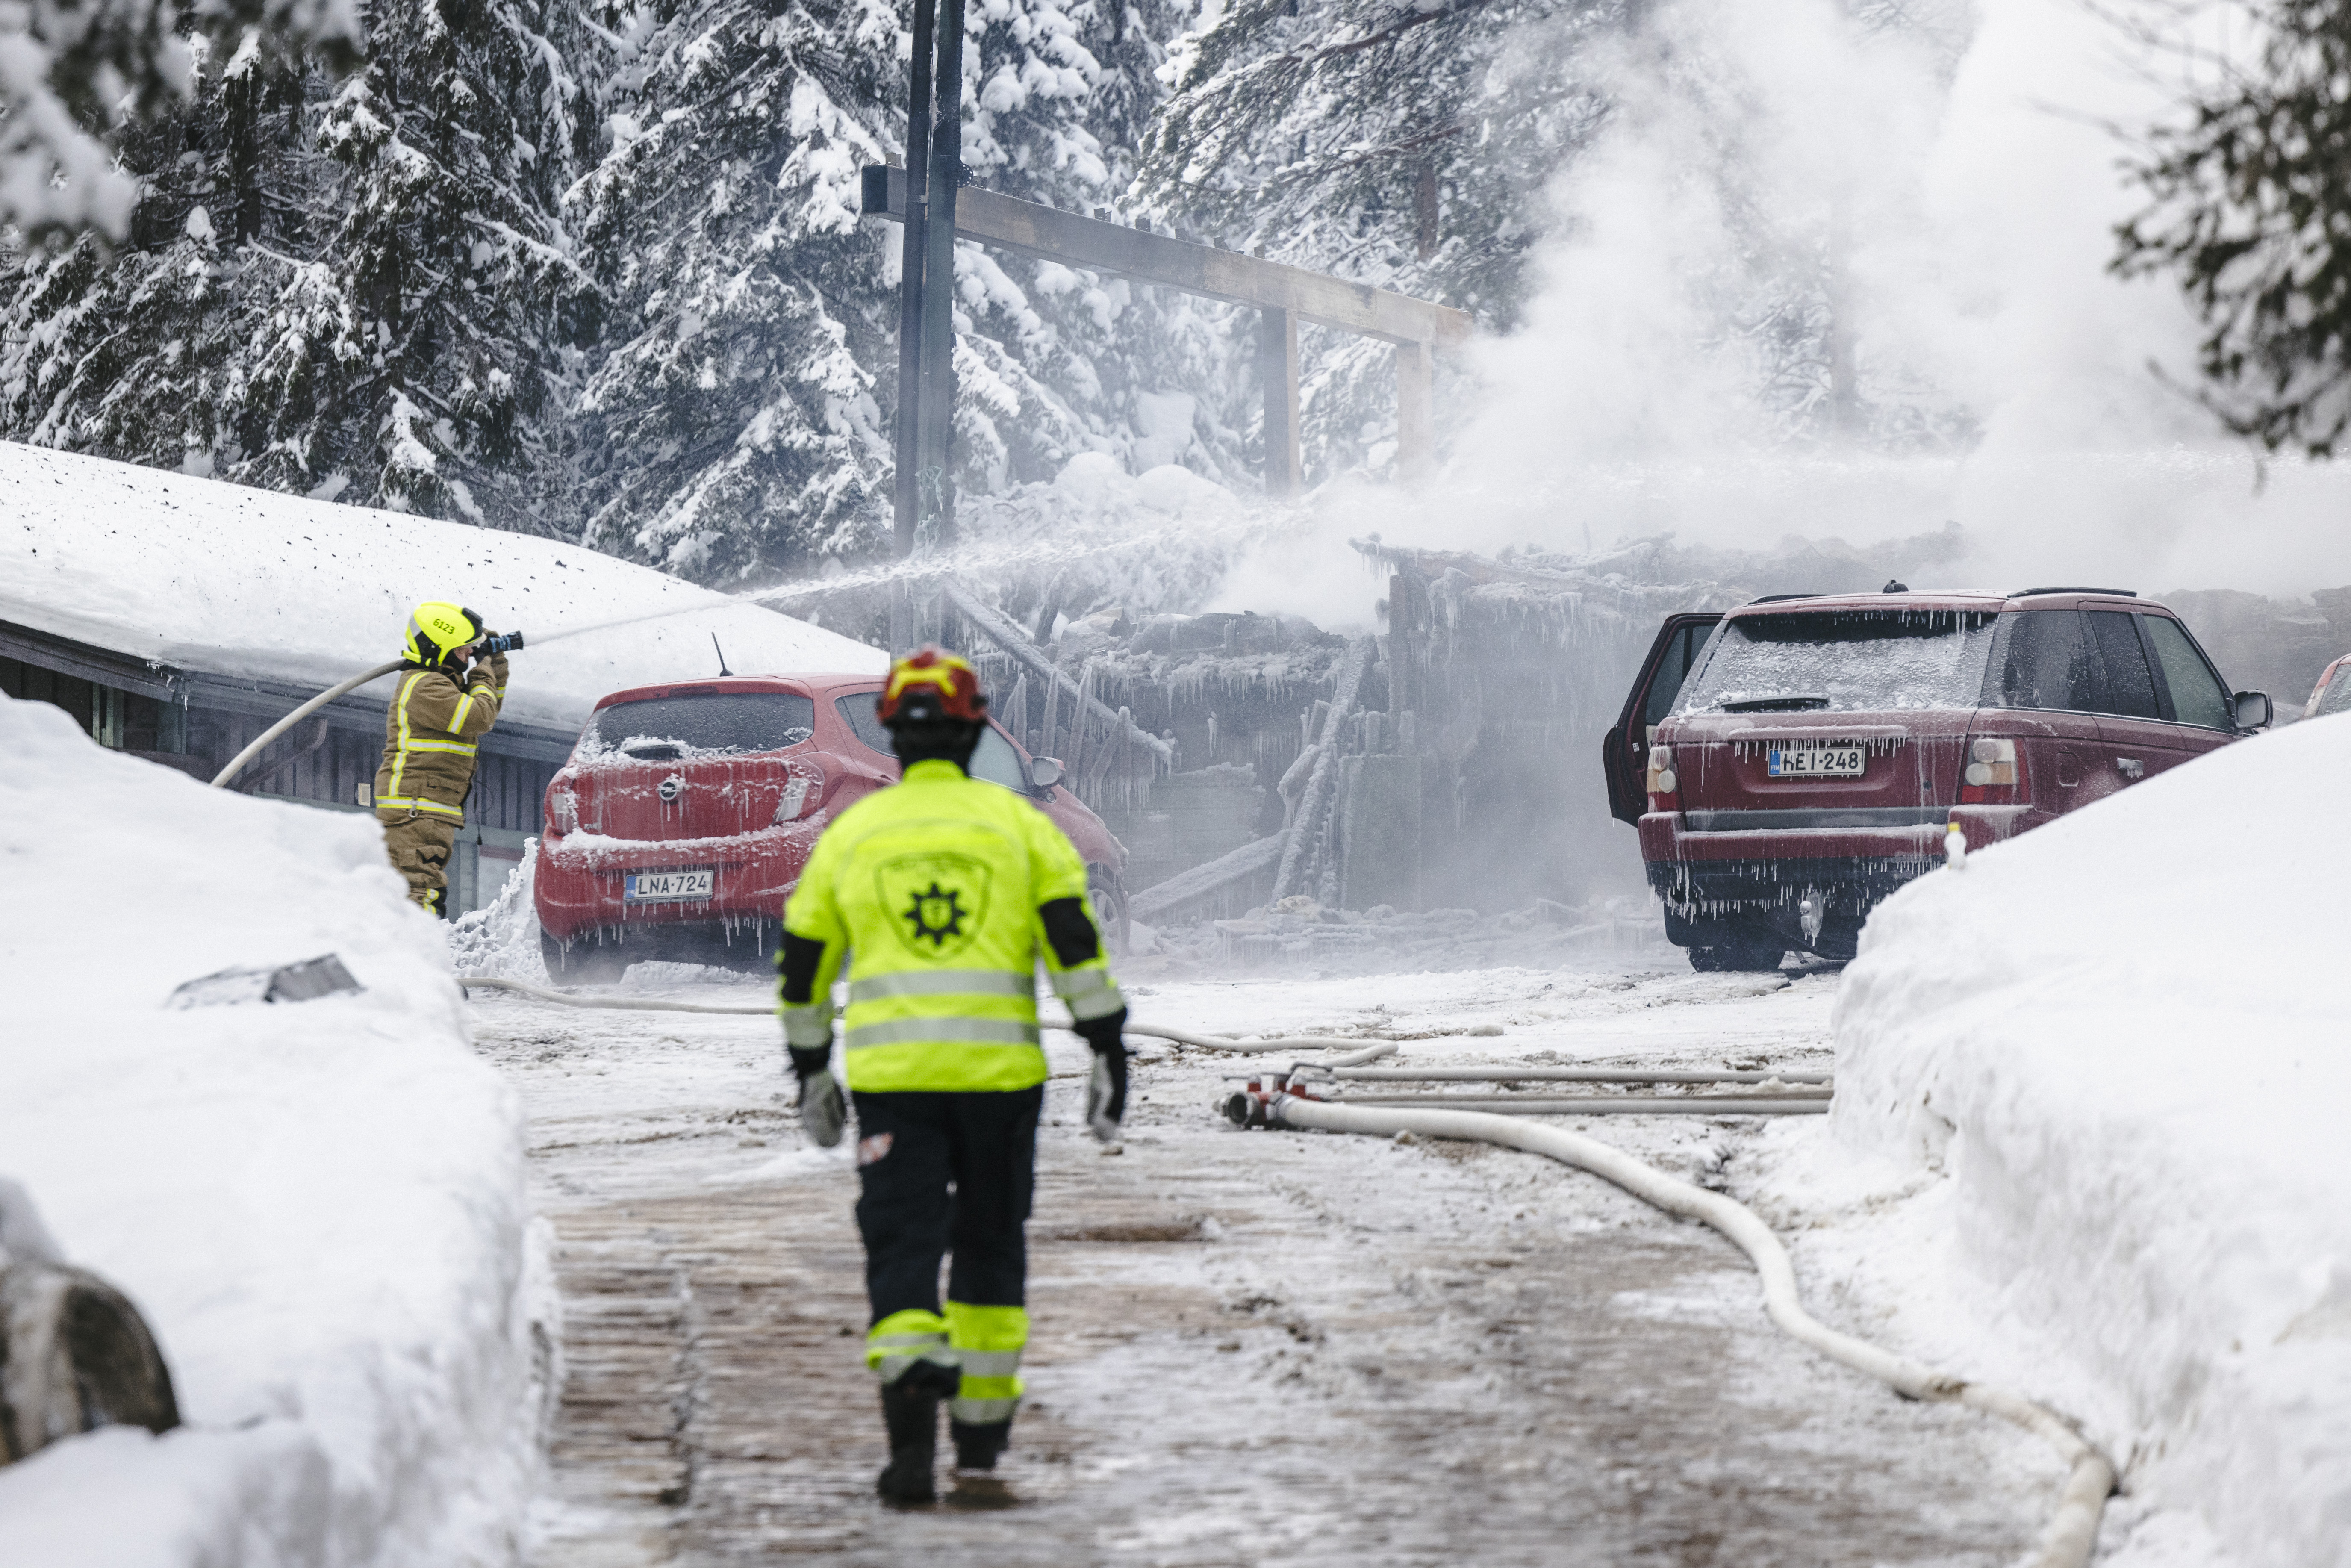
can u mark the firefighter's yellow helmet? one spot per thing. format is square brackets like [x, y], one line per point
[437, 626]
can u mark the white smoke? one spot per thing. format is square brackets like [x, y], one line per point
[1975, 177]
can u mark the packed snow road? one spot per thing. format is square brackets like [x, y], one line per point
[1249, 1348]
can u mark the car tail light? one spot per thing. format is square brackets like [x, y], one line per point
[1664, 784]
[562, 811]
[795, 797]
[1993, 772]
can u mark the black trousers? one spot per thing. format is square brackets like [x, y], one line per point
[940, 1173]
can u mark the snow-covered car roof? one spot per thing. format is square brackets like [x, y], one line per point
[228, 581]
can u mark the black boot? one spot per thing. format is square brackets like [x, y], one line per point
[977, 1447]
[910, 1411]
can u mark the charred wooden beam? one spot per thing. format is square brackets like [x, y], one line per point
[1227, 274]
[1000, 629]
[1284, 294]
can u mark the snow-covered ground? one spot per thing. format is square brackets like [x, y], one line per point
[1249, 1348]
[2082, 1148]
[2088, 1142]
[238, 582]
[318, 1207]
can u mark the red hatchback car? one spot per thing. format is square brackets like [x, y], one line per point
[681, 824]
[1794, 762]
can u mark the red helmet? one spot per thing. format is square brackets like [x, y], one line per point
[929, 684]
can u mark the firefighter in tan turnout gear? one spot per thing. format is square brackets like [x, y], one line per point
[430, 733]
[944, 891]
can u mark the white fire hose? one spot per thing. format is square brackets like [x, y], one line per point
[2071, 1533]
[236, 764]
[1358, 1051]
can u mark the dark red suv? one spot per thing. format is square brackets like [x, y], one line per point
[681, 824]
[1795, 761]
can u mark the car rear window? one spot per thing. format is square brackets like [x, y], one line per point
[1844, 661]
[714, 723]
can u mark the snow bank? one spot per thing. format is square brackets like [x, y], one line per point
[502, 939]
[238, 582]
[320, 1207]
[2122, 1040]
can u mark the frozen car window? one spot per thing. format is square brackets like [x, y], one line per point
[2129, 686]
[2197, 695]
[2336, 698]
[857, 710]
[718, 724]
[995, 760]
[1672, 670]
[1844, 661]
[2048, 663]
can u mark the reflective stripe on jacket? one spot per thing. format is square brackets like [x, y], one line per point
[430, 733]
[932, 886]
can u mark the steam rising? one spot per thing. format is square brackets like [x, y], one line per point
[1951, 190]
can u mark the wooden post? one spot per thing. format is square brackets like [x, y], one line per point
[1276, 367]
[1415, 413]
[1404, 645]
[938, 502]
[904, 495]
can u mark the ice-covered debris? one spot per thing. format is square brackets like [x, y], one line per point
[502, 940]
[301, 982]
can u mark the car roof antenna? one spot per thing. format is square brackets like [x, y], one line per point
[723, 670]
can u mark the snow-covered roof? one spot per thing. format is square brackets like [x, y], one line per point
[228, 580]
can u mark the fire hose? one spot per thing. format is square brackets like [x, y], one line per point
[502, 644]
[2071, 1533]
[1358, 1051]
[236, 764]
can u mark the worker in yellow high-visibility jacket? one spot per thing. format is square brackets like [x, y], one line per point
[946, 891]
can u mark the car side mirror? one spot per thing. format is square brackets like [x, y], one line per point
[1044, 772]
[2252, 710]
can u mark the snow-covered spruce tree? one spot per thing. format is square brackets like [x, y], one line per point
[420, 352]
[73, 73]
[740, 421]
[129, 350]
[1401, 145]
[730, 421]
[1411, 145]
[355, 288]
[1056, 360]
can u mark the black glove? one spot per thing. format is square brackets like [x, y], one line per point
[1106, 1089]
[822, 1113]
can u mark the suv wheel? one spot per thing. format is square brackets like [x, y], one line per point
[583, 962]
[1746, 955]
[1106, 891]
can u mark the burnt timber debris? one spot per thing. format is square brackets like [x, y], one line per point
[1284, 781]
